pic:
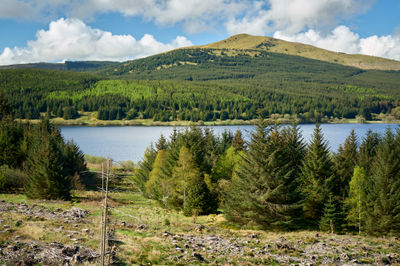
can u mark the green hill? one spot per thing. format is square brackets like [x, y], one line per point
[205, 84]
[249, 42]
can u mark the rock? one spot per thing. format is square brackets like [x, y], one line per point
[253, 236]
[6, 226]
[123, 223]
[198, 256]
[86, 230]
[142, 226]
[200, 228]
[344, 257]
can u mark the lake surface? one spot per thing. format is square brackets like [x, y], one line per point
[129, 142]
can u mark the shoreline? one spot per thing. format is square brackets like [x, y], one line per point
[150, 122]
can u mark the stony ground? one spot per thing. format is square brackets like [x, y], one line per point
[56, 233]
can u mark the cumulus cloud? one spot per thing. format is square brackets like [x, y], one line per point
[194, 15]
[292, 16]
[342, 39]
[72, 39]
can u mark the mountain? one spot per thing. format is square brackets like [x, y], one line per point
[237, 78]
[249, 42]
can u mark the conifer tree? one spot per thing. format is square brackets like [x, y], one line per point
[384, 196]
[329, 219]
[260, 192]
[47, 175]
[345, 160]
[317, 171]
[157, 187]
[368, 150]
[356, 203]
[184, 175]
[199, 200]
[238, 141]
[142, 172]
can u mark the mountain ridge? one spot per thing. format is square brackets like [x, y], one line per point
[250, 42]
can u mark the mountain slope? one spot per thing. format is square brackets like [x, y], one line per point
[249, 42]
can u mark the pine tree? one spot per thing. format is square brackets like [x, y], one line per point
[47, 174]
[356, 203]
[329, 219]
[142, 172]
[317, 171]
[384, 196]
[345, 161]
[368, 150]
[238, 141]
[261, 192]
[199, 200]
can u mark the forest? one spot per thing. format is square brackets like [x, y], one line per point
[203, 85]
[275, 181]
[37, 160]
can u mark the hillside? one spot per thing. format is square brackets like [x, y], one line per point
[205, 84]
[249, 42]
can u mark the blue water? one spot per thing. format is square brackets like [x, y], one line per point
[129, 142]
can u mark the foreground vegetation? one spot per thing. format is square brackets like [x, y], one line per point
[145, 233]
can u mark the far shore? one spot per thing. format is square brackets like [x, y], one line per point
[83, 121]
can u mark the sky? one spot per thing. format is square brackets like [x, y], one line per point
[121, 30]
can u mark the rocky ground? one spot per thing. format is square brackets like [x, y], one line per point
[52, 233]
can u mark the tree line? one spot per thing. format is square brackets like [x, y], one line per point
[275, 181]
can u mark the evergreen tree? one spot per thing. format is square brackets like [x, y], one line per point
[329, 219]
[260, 192]
[47, 174]
[368, 150]
[317, 171]
[4, 107]
[384, 197]
[199, 200]
[238, 141]
[161, 143]
[142, 172]
[345, 161]
[356, 203]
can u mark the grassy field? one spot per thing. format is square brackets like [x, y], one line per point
[143, 233]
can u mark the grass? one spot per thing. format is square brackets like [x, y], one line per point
[139, 225]
[90, 119]
[254, 43]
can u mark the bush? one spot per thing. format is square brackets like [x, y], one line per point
[11, 179]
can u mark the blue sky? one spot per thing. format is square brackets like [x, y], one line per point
[58, 30]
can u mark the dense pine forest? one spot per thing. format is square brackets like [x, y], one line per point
[204, 85]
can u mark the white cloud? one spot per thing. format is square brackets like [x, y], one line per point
[72, 39]
[342, 39]
[292, 16]
[195, 15]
